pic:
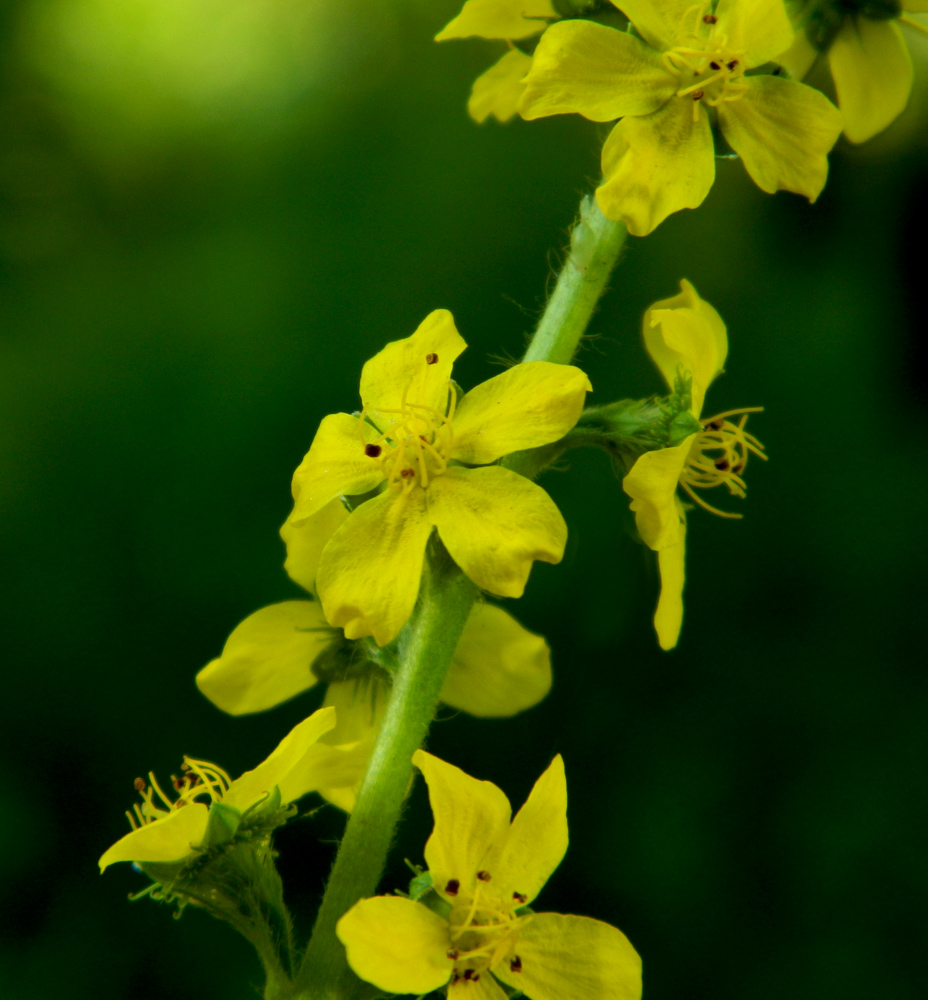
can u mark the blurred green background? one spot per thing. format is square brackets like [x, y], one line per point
[213, 211]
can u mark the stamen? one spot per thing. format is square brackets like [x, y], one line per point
[139, 784]
[520, 898]
[372, 450]
[431, 359]
[515, 964]
[483, 876]
[453, 887]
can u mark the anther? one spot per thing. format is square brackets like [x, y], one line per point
[483, 876]
[452, 887]
[408, 473]
[515, 964]
[698, 95]
[723, 465]
[139, 784]
[737, 468]
[715, 65]
[179, 783]
[716, 425]
[180, 803]
[452, 953]
[732, 64]
[372, 450]
[709, 19]
[431, 359]
[520, 898]
[471, 975]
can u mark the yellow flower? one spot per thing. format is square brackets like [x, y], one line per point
[417, 444]
[499, 669]
[497, 92]
[867, 55]
[685, 335]
[171, 830]
[660, 157]
[486, 872]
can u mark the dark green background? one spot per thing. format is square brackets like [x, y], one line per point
[199, 253]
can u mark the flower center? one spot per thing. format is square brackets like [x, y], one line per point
[719, 456]
[198, 778]
[416, 447]
[484, 931]
[707, 69]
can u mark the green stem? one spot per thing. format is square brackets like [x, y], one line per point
[595, 243]
[426, 647]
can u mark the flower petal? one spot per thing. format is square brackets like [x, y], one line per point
[527, 406]
[404, 368]
[652, 485]
[537, 840]
[471, 821]
[396, 944]
[306, 541]
[799, 57]
[872, 70]
[281, 768]
[782, 130]
[915, 6]
[499, 668]
[370, 571]
[759, 28]
[686, 332]
[574, 957]
[495, 523]
[498, 19]
[498, 91]
[668, 618]
[335, 465]
[656, 165]
[267, 659]
[661, 23]
[598, 72]
[169, 839]
[485, 988]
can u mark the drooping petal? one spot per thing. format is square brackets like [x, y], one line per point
[652, 485]
[662, 23]
[396, 944]
[668, 618]
[171, 838]
[495, 524]
[337, 770]
[799, 57]
[759, 28]
[370, 571]
[537, 840]
[306, 541]
[471, 821]
[498, 91]
[267, 658]
[656, 165]
[783, 131]
[281, 768]
[574, 958]
[686, 332]
[335, 465]
[360, 708]
[417, 368]
[527, 406]
[598, 72]
[499, 19]
[499, 668]
[872, 70]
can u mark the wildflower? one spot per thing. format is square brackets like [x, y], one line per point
[660, 157]
[485, 873]
[208, 801]
[867, 55]
[498, 90]
[686, 337]
[499, 669]
[416, 443]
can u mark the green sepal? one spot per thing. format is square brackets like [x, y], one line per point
[420, 885]
[221, 826]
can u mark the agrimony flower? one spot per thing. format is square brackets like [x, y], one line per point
[486, 871]
[207, 801]
[498, 90]
[867, 56]
[660, 157]
[429, 455]
[686, 338]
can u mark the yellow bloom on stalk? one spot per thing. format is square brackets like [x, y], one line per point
[497, 92]
[430, 457]
[867, 56]
[660, 157]
[166, 829]
[486, 871]
[499, 669]
[685, 335]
